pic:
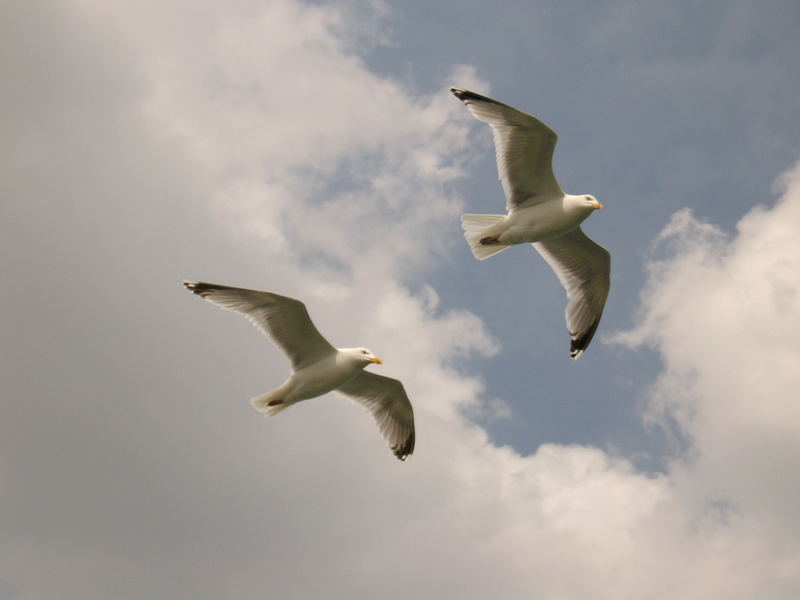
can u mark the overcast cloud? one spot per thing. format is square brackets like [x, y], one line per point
[252, 144]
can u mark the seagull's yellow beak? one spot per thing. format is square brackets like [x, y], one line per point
[376, 360]
[597, 206]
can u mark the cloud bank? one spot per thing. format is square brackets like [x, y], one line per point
[251, 145]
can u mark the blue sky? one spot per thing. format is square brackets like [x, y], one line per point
[314, 150]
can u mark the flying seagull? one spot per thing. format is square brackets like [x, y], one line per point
[540, 213]
[317, 367]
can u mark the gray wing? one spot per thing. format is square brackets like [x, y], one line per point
[584, 269]
[386, 399]
[524, 147]
[283, 319]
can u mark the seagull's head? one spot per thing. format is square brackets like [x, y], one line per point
[361, 355]
[591, 202]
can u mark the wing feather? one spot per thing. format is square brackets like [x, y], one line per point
[524, 147]
[285, 320]
[386, 399]
[584, 269]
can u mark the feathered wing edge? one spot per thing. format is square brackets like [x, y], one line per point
[524, 148]
[584, 269]
[284, 320]
[386, 399]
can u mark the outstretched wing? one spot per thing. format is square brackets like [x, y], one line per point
[283, 319]
[386, 399]
[584, 269]
[524, 147]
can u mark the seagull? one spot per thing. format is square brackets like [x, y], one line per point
[540, 213]
[317, 367]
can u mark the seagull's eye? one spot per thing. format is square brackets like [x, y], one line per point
[363, 352]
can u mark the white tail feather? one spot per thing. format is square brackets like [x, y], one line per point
[261, 404]
[477, 227]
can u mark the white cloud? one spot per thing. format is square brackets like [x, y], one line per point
[291, 165]
[299, 135]
[724, 313]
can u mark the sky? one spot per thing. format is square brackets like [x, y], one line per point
[313, 149]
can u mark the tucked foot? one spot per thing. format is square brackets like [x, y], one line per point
[489, 240]
[274, 402]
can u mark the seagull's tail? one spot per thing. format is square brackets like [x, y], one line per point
[478, 227]
[262, 403]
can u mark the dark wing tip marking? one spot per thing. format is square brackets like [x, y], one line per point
[465, 95]
[199, 288]
[406, 449]
[579, 344]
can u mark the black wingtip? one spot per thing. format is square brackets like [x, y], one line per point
[578, 345]
[198, 287]
[406, 449]
[465, 95]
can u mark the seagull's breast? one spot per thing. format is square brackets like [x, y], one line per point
[548, 219]
[321, 377]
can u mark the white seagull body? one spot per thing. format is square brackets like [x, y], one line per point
[540, 213]
[318, 367]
